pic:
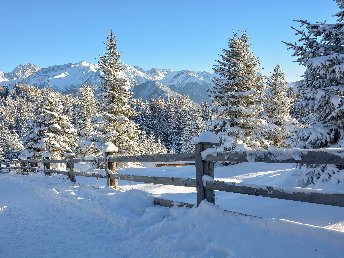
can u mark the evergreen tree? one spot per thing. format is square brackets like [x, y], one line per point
[116, 101]
[10, 144]
[277, 108]
[167, 120]
[86, 111]
[51, 133]
[321, 91]
[149, 144]
[193, 127]
[205, 112]
[237, 96]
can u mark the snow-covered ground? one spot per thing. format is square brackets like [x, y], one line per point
[51, 217]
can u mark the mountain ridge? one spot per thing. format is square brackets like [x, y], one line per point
[155, 82]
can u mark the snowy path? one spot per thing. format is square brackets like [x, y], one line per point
[50, 217]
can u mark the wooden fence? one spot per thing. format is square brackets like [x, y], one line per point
[203, 158]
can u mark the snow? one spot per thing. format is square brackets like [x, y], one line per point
[110, 147]
[65, 74]
[206, 179]
[44, 216]
[206, 137]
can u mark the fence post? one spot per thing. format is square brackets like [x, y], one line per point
[204, 168]
[33, 166]
[46, 166]
[8, 165]
[70, 167]
[110, 166]
[16, 165]
[23, 167]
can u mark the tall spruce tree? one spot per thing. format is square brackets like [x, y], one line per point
[321, 91]
[237, 96]
[277, 108]
[86, 111]
[116, 101]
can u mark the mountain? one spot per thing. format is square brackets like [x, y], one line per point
[146, 84]
[22, 71]
[152, 90]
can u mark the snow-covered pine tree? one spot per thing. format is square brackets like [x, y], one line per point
[177, 115]
[51, 133]
[237, 96]
[10, 143]
[321, 91]
[116, 101]
[205, 112]
[148, 144]
[86, 111]
[277, 109]
[193, 127]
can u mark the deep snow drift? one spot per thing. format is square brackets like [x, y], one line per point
[51, 217]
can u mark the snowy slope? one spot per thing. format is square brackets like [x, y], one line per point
[68, 77]
[50, 217]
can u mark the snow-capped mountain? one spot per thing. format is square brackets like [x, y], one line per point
[22, 72]
[146, 84]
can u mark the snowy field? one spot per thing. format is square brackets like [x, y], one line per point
[51, 217]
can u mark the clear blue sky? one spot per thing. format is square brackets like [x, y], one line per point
[179, 34]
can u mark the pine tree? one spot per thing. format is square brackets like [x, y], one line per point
[193, 127]
[237, 96]
[10, 144]
[148, 144]
[321, 91]
[116, 101]
[86, 111]
[51, 133]
[277, 108]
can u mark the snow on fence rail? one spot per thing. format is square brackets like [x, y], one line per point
[204, 157]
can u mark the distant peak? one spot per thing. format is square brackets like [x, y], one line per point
[84, 63]
[23, 71]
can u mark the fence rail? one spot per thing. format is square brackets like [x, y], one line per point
[203, 158]
[299, 156]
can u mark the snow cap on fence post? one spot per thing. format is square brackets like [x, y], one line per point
[109, 149]
[204, 169]
[206, 137]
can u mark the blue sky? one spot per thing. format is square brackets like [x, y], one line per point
[179, 34]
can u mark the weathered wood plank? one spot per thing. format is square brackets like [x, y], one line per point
[281, 156]
[188, 182]
[174, 164]
[46, 161]
[84, 174]
[95, 159]
[169, 204]
[61, 172]
[88, 174]
[311, 197]
[154, 158]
